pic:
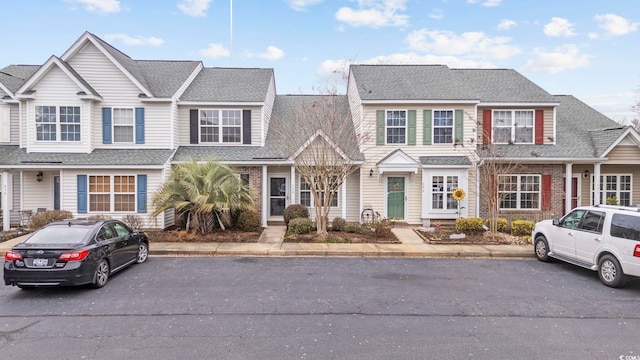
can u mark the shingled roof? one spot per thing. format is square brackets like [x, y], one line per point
[14, 76]
[15, 156]
[439, 82]
[229, 85]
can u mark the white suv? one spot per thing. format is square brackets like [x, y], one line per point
[602, 238]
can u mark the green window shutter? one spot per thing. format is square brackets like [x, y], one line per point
[426, 137]
[459, 127]
[411, 131]
[380, 127]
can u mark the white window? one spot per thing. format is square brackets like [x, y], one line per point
[513, 126]
[54, 120]
[396, 122]
[442, 192]
[220, 126]
[123, 125]
[307, 199]
[443, 126]
[615, 187]
[519, 191]
[115, 192]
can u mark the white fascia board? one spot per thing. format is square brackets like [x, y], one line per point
[90, 97]
[10, 101]
[155, 100]
[518, 104]
[43, 70]
[407, 101]
[4, 88]
[536, 160]
[212, 103]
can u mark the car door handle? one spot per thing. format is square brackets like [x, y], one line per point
[598, 239]
[570, 233]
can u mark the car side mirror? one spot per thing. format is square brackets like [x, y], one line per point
[555, 222]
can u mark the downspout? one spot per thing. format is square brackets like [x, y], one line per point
[478, 165]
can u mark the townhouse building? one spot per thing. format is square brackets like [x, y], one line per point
[96, 132]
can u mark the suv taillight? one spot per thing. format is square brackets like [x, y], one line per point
[636, 251]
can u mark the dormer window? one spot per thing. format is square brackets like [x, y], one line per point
[513, 126]
[54, 120]
[220, 126]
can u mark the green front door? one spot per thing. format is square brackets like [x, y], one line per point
[395, 198]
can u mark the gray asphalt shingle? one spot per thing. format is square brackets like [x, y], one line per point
[12, 155]
[229, 85]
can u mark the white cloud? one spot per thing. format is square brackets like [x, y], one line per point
[101, 6]
[375, 13]
[593, 36]
[196, 8]
[556, 60]
[135, 41]
[506, 24]
[272, 53]
[616, 25]
[470, 44]
[486, 3]
[329, 68]
[559, 27]
[491, 3]
[436, 14]
[214, 51]
[302, 5]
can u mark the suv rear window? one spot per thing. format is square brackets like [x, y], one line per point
[625, 226]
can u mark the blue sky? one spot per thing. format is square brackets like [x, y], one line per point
[586, 48]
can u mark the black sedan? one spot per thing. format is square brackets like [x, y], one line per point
[74, 252]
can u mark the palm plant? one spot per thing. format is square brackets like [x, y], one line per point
[200, 193]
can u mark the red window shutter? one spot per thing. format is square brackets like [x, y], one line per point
[539, 126]
[486, 127]
[546, 192]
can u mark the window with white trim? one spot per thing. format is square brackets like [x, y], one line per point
[519, 191]
[442, 192]
[49, 124]
[616, 186]
[306, 197]
[396, 126]
[107, 192]
[220, 126]
[123, 125]
[442, 126]
[513, 126]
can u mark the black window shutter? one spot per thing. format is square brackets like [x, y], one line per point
[246, 126]
[193, 126]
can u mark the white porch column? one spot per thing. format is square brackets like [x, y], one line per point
[344, 199]
[292, 191]
[596, 184]
[567, 186]
[6, 209]
[265, 196]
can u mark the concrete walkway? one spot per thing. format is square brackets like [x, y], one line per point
[271, 244]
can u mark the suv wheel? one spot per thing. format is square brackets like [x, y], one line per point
[541, 248]
[610, 271]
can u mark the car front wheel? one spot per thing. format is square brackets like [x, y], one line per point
[102, 274]
[143, 253]
[541, 247]
[610, 271]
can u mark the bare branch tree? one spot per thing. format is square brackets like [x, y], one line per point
[492, 167]
[322, 145]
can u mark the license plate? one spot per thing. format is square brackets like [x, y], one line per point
[40, 262]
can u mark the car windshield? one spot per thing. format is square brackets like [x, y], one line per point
[59, 235]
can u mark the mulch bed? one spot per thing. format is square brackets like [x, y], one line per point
[341, 237]
[442, 236]
[218, 236]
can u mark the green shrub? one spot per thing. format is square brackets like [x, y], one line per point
[469, 225]
[521, 227]
[353, 227]
[43, 218]
[133, 221]
[338, 224]
[300, 226]
[502, 224]
[295, 211]
[248, 220]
